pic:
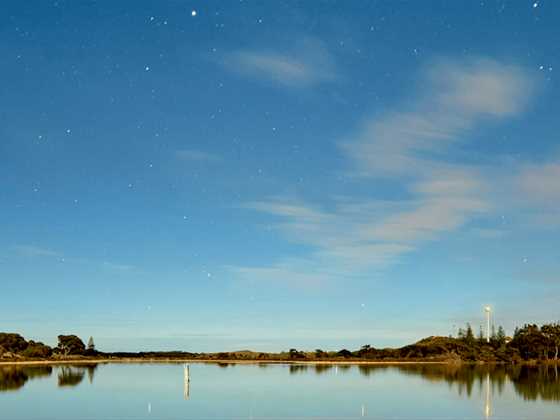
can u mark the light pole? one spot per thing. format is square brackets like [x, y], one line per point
[487, 309]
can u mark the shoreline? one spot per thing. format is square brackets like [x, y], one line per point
[221, 361]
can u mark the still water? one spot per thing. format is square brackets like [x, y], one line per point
[213, 391]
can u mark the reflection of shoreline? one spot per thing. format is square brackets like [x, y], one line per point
[220, 361]
[529, 382]
[13, 378]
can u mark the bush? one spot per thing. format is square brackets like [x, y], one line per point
[38, 350]
[71, 345]
[13, 343]
[344, 353]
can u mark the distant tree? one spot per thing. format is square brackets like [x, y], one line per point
[91, 345]
[461, 334]
[501, 336]
[70, 345]
[11, 342]
[320, 353]
[344, 353]
[481, 335]
[37, 350]
[551, 333]
[294, 354]
[530, 342]
[493, 333]
[469, 336]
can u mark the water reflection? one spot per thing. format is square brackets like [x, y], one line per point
[70, 376]
[186, 380]
[91, 372]
[547, 387]
[530, 383]
[488, 400]
[15, 377]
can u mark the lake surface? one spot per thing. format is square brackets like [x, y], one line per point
[159, 391]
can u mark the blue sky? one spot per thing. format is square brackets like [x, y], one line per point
[225, 175]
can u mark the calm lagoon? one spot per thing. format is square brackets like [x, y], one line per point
[277, 391]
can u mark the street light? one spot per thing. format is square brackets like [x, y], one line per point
[487, 309]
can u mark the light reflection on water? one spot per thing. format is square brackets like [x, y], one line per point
[173, 391]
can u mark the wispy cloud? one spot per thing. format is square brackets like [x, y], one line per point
[35, 251]
[306, 65]
[454, 98]
[197, 156]
[356, 237]
[541, 182]
[537, 189]
[410, 147]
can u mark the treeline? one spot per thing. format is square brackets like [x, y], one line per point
[530, 343]
[14, 346]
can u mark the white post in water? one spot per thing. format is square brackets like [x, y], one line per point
[487, 309]
[187, 380]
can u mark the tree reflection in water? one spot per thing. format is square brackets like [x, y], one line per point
[91, 372]
[540, 382]
[70, 376]
[14, 377]
[73, 375]
[529, 382]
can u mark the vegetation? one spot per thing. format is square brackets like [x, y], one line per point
[530, 343]
[37, 350]
[70, 345]
[14, 345]
[90, 345]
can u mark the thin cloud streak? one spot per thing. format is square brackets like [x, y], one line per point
[408, 146]
[541, 182]
[536, 188]
[306, 65]
[458, 96]
[35, 251]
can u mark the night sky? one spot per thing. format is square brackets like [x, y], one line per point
[221, 175]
